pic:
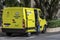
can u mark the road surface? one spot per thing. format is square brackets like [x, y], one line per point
[46, 36]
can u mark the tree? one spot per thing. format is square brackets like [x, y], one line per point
[47, 6]
[14, 3]
[11, 3]
[1, 6]
[53, 8]
[26, 3]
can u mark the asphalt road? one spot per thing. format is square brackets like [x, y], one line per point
[46, 36]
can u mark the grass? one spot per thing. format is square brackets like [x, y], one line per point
[53, 23]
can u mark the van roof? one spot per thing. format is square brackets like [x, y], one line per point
[19, 7]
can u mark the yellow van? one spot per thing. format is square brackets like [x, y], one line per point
[22, 20]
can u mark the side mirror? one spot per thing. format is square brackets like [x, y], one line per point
[42, 16]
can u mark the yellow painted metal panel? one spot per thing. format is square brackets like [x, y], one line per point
[30, 17]
[12, 14]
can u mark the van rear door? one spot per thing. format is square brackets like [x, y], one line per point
[12, 18]
[30, 18]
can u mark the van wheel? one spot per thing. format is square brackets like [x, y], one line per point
[8, 34]
[28, 34]
[44, 29]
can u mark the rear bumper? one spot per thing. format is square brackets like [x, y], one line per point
[13, 30]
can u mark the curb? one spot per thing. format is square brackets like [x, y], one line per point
[51, 30]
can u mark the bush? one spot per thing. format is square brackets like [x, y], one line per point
[54, 23]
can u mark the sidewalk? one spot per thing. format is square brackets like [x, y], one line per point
[50, 30]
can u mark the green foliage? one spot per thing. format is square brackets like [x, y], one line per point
[1, 6]
[48, 7]
[14, 3]
[54, 23]
[10, 3]
[26, 3]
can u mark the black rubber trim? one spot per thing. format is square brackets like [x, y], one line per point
[13, 30]
[40, 26]
[16, 30]
[30, 28]
[6, 23]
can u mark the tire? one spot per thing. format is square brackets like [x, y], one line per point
[44, 29]
[28, 34]
[9, 34]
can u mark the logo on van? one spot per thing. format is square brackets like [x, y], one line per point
[28, 13]
[17, 15]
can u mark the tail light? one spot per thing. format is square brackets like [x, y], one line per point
[23, 23]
